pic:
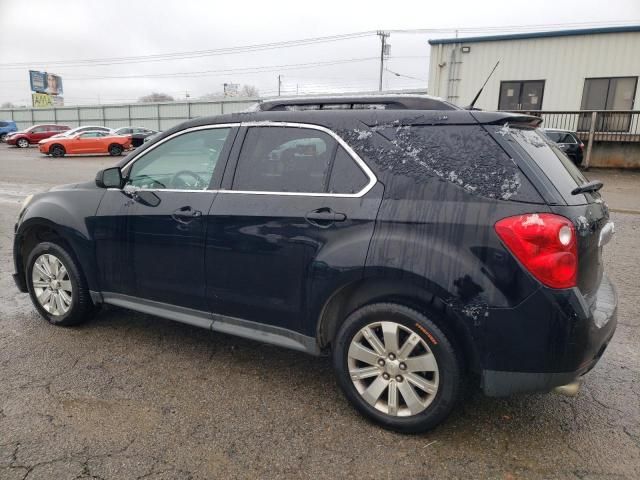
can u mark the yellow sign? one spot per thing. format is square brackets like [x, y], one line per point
[42, 100]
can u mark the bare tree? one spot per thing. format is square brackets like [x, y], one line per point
[249, 91]
[156, 97]
[7, 105]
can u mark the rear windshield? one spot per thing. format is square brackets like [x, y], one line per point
[560, 170]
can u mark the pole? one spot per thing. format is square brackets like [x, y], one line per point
[592, 133]
[383, 42]
[279, 84]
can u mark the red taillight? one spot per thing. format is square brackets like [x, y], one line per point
[545, 244]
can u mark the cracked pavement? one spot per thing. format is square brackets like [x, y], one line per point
[132, 396]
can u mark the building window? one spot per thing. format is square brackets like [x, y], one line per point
[521, 95]
[615, 93]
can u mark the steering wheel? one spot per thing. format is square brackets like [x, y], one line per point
[152, 182]
[197, 182]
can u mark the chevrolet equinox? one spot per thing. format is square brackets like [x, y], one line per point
[419, 248]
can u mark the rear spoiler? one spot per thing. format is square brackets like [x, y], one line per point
[500, 118]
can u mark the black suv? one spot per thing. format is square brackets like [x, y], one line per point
[420, 248]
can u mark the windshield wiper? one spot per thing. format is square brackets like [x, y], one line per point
[592, 186]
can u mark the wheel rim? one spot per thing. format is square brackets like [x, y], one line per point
[115, 150]
[23, 143]
[393, 369]
[52, 285]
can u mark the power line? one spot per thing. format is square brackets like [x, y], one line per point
[189, 54]
[291, 43]
[406, 76]
[239, 70]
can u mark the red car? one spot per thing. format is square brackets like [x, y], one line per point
[86, 142]
[34, 134]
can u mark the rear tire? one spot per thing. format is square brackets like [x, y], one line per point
[57, 151]
[410, 384]
[115, 150]
[57, 287]
[3, 137]
[22, 143]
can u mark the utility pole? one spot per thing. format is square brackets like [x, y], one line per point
[384, 50]
[279, 84]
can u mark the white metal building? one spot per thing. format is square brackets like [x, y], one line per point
[588, 69]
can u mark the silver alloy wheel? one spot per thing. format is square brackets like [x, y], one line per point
[393, 369]
[23, 143]
[51, 284]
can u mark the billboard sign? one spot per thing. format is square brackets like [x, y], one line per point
[44, 82]
[44, 100]
[231, 89]
[41, 100]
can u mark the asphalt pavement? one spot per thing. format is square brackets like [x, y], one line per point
[133, 396]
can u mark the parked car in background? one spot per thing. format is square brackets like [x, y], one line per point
[138, 134]
[92, 141]
[33, 135]
[568, 142]
[151, 137]
[419, 249]
[85, 128]
[7, 127]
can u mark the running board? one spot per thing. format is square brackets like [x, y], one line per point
[259, 332]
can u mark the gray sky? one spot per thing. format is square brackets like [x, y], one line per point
[38, 32]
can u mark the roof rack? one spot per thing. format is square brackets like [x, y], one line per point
[356, 102]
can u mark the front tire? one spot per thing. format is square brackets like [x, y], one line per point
[57, 151]
[397, 367]
[57, 287]
[115, 150]
[22, 143]
[3, 137]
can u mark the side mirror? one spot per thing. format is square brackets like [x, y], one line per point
[109, 178]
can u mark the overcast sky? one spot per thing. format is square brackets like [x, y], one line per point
[38, 32]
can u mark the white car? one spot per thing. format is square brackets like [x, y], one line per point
[73, 131]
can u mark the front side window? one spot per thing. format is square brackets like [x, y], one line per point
[185, 162]
[92, 134]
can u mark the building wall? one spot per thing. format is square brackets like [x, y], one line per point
[563, 62]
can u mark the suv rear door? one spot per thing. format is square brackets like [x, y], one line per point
[294, 218]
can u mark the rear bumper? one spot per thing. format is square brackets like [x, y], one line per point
[556, 338]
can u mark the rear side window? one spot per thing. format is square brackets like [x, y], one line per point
[346, 176]
[3, 124]
[560, 170]
[295, 160]
[284, 159]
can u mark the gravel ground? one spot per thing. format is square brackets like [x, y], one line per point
[132, 396]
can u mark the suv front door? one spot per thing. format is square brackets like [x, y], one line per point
[152, 242]
[294, 216]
